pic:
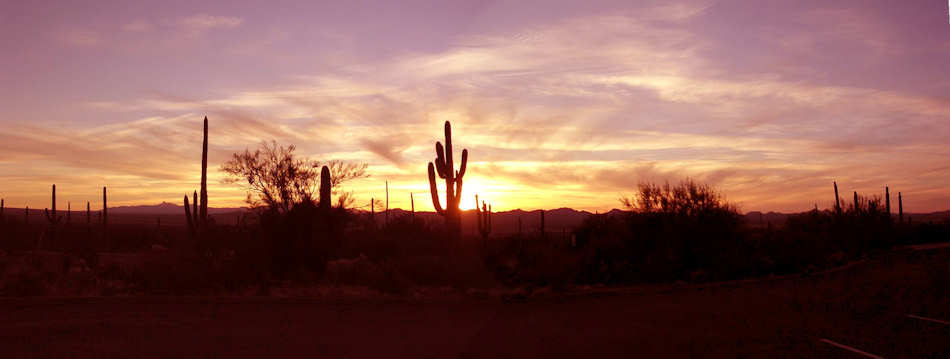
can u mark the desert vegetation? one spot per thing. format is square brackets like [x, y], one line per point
[302, 229]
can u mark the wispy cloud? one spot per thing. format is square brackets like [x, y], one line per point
[137, 26]
[79, 37]
[203, 22]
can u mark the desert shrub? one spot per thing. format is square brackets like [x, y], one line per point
[671, 232]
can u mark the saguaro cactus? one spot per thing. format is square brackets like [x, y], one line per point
[204, 175]
[325, 186]
[51, 216]
[197, 216]
[412, 206]
[1, 208]
[856, 207]
[88, 213]
[453, 183]
[69, 212]
[483, 218]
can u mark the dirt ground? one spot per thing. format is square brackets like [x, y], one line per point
[865, 307]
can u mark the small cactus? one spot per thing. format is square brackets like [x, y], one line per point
[88, 213]
[483, 218]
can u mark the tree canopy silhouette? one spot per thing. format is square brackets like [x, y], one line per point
[278, 179]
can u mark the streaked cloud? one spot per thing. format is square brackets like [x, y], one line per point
[203, 22]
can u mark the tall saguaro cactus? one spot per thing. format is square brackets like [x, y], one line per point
[197, 215]
[51, 216]
[204, 175]
[453, 183]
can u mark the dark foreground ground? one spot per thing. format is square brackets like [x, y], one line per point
[865, 306]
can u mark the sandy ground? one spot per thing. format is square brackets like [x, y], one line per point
[865, 307]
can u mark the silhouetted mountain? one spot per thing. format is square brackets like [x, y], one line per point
[166, 208]
[756, 218]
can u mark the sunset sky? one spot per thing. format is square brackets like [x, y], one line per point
[560, 103]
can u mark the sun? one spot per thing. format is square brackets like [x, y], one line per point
[469, 190]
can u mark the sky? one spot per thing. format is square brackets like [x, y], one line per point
[559, 103]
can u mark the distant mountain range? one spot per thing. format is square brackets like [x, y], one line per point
[506, 222]
[166, 208]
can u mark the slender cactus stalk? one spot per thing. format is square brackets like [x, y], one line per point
[887, 200]
[105, 208]
[88, 213]
[837, 200]
[412, 204]
[387, 202]
[900, 207]
[325, 187]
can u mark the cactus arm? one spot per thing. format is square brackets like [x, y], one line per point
[434, 190]
[462, 166]
[440, 167]
[440, 159]
[449, 165]
[458, 192]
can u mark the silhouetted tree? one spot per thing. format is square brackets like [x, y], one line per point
[279, 180]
